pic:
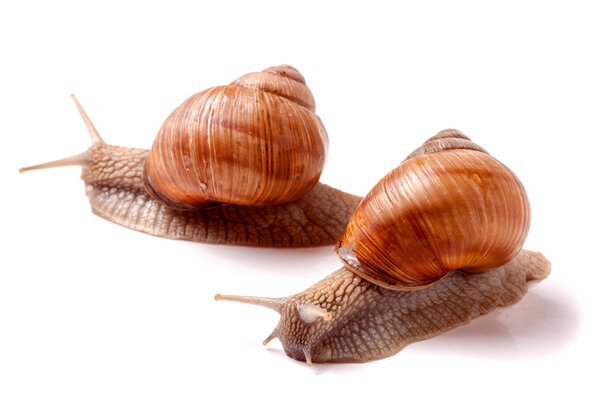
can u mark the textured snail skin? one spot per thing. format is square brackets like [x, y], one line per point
[368, 322]
[115, 187]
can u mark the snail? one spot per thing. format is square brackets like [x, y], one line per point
[236, 164]
[437, 242]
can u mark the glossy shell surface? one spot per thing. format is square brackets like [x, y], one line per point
[443, 209]
[256, 141]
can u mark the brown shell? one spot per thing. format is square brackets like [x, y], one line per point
[448, 206]
[256, 141]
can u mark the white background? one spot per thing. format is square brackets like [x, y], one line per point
[91, 310]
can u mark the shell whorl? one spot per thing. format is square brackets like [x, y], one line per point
[254, 142]
[284, 80]
[448, 206]
[448, 139]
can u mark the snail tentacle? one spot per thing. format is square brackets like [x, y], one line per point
[268, 302]
[76, 160]
[94, 135]
[79, 159]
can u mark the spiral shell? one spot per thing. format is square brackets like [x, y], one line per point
[448, 206]
[256, 142]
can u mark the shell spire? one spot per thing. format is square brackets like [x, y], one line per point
[448, 139]
[284, 81]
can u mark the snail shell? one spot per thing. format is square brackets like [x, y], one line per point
[254, 142]
[448, 206]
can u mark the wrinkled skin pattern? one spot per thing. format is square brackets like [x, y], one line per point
[115, 188]
[369, 322]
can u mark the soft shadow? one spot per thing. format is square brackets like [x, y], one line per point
[317, 368]
[344, 368]
[308, 259]
[545, 321]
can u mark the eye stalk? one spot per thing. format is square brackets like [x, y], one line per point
[268, 302]
[308, 312]
[78, 159]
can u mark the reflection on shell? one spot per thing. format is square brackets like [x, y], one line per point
[448, 206]
[256, 141]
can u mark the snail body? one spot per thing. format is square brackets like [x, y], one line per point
[236, 164]
[433, 266]
[358, 321]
